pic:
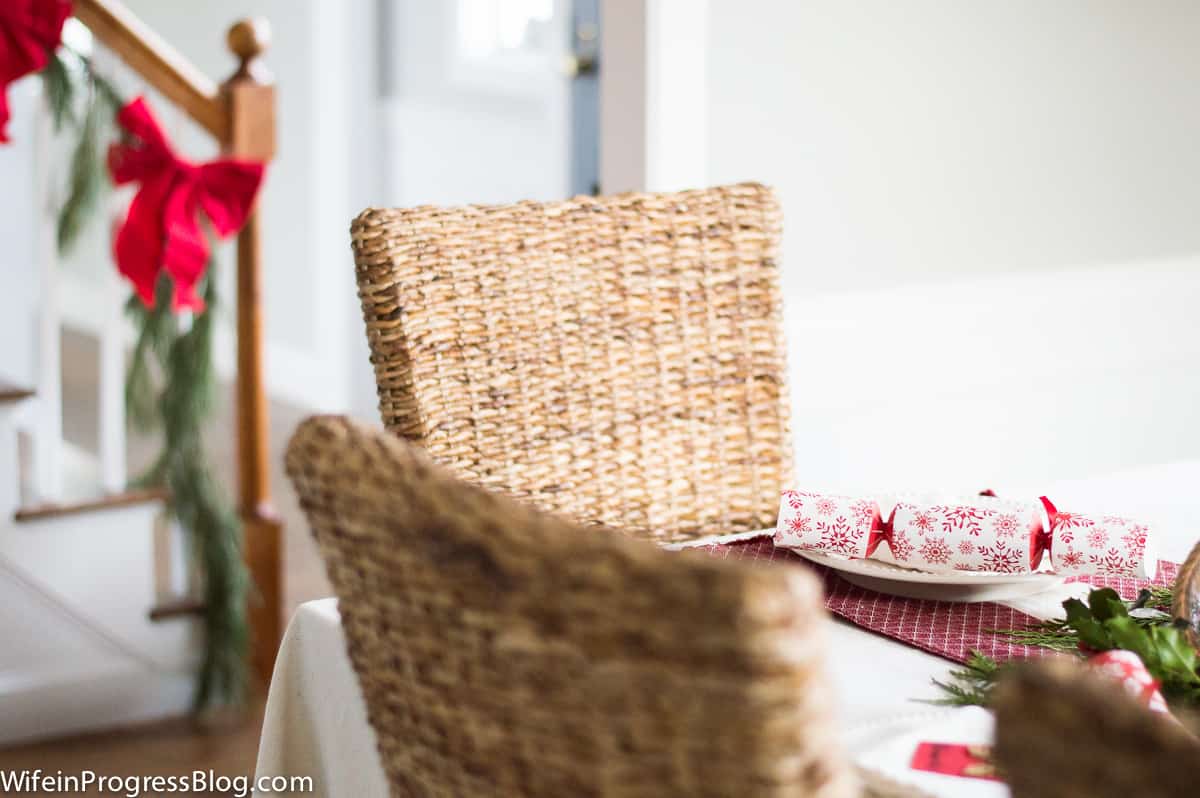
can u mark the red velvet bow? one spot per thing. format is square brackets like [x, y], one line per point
[29, 31]
[162, 230]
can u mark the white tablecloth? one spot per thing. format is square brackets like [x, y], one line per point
[316, 723]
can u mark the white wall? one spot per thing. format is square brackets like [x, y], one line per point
[654, 93]
[936, 139]
[456, 134]
[992, 228]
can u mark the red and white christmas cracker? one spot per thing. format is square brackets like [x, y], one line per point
[978, 533]
[1127, 669]
[843, 525]
[1100, 544]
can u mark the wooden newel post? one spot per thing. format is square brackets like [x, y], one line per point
[249, 100]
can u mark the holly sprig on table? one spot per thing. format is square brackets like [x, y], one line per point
[1103, 623]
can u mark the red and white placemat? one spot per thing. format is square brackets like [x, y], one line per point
[948, 629]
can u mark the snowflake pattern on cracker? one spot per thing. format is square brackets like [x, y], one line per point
[1104, 545]
[975, 534]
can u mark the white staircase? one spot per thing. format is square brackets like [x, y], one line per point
[80, 580]
[95, 628]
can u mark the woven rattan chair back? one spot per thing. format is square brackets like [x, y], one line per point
[507, 652]
[1185, 604]
[618, 359]
[1061, 733]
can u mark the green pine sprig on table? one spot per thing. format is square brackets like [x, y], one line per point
[1058, 633]
[1105, 622]
[169, 385]
[970, 684]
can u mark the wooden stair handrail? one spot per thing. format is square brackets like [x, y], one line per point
[240, 115]
[10, 392]
[156, 61]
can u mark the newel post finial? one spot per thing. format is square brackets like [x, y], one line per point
[248, 39]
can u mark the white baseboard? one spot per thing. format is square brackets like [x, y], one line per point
[76, 703]
[79, 649]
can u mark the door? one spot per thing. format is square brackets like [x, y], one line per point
[477, 101]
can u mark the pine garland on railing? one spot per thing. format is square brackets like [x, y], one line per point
[82, 100]
[169, 388]
[178, 405]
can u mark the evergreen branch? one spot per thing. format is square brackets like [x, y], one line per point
[1059, 635]
[105, 89]
[60, 91]
[68, 84]
[198, 501]
[156, 330]
[169, 385]
[1154, 597]
[970, 685]
[85, 181]
[1053, 634]
[1105, 622]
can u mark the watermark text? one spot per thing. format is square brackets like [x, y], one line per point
[15, 782]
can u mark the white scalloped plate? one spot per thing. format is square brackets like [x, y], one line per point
[884, 577]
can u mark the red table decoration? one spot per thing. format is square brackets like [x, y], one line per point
[955, 759]
[981, 533]
[162, 230]
[947, 629]
[1100, 544]
[1127, 669]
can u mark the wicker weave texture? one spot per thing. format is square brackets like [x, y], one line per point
[1063, 733]
[506, 652]
[1186, 601]
[618, 360]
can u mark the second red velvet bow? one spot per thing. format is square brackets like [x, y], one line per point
[162, 230]
[29, 31]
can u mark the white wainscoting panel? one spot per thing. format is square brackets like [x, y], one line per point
[1018, 379]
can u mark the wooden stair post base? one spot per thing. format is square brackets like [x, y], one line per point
[262, 537]
[249, 100]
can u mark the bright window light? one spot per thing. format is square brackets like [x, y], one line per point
[488, 27]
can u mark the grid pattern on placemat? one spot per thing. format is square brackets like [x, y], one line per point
[1129, 587]
[949, 629]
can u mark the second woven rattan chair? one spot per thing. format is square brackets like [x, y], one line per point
[507, 652]
[618, 360]
[1063, 733]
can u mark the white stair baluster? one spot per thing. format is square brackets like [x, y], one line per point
[111, 404]
[9, 484]
[46, 429]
